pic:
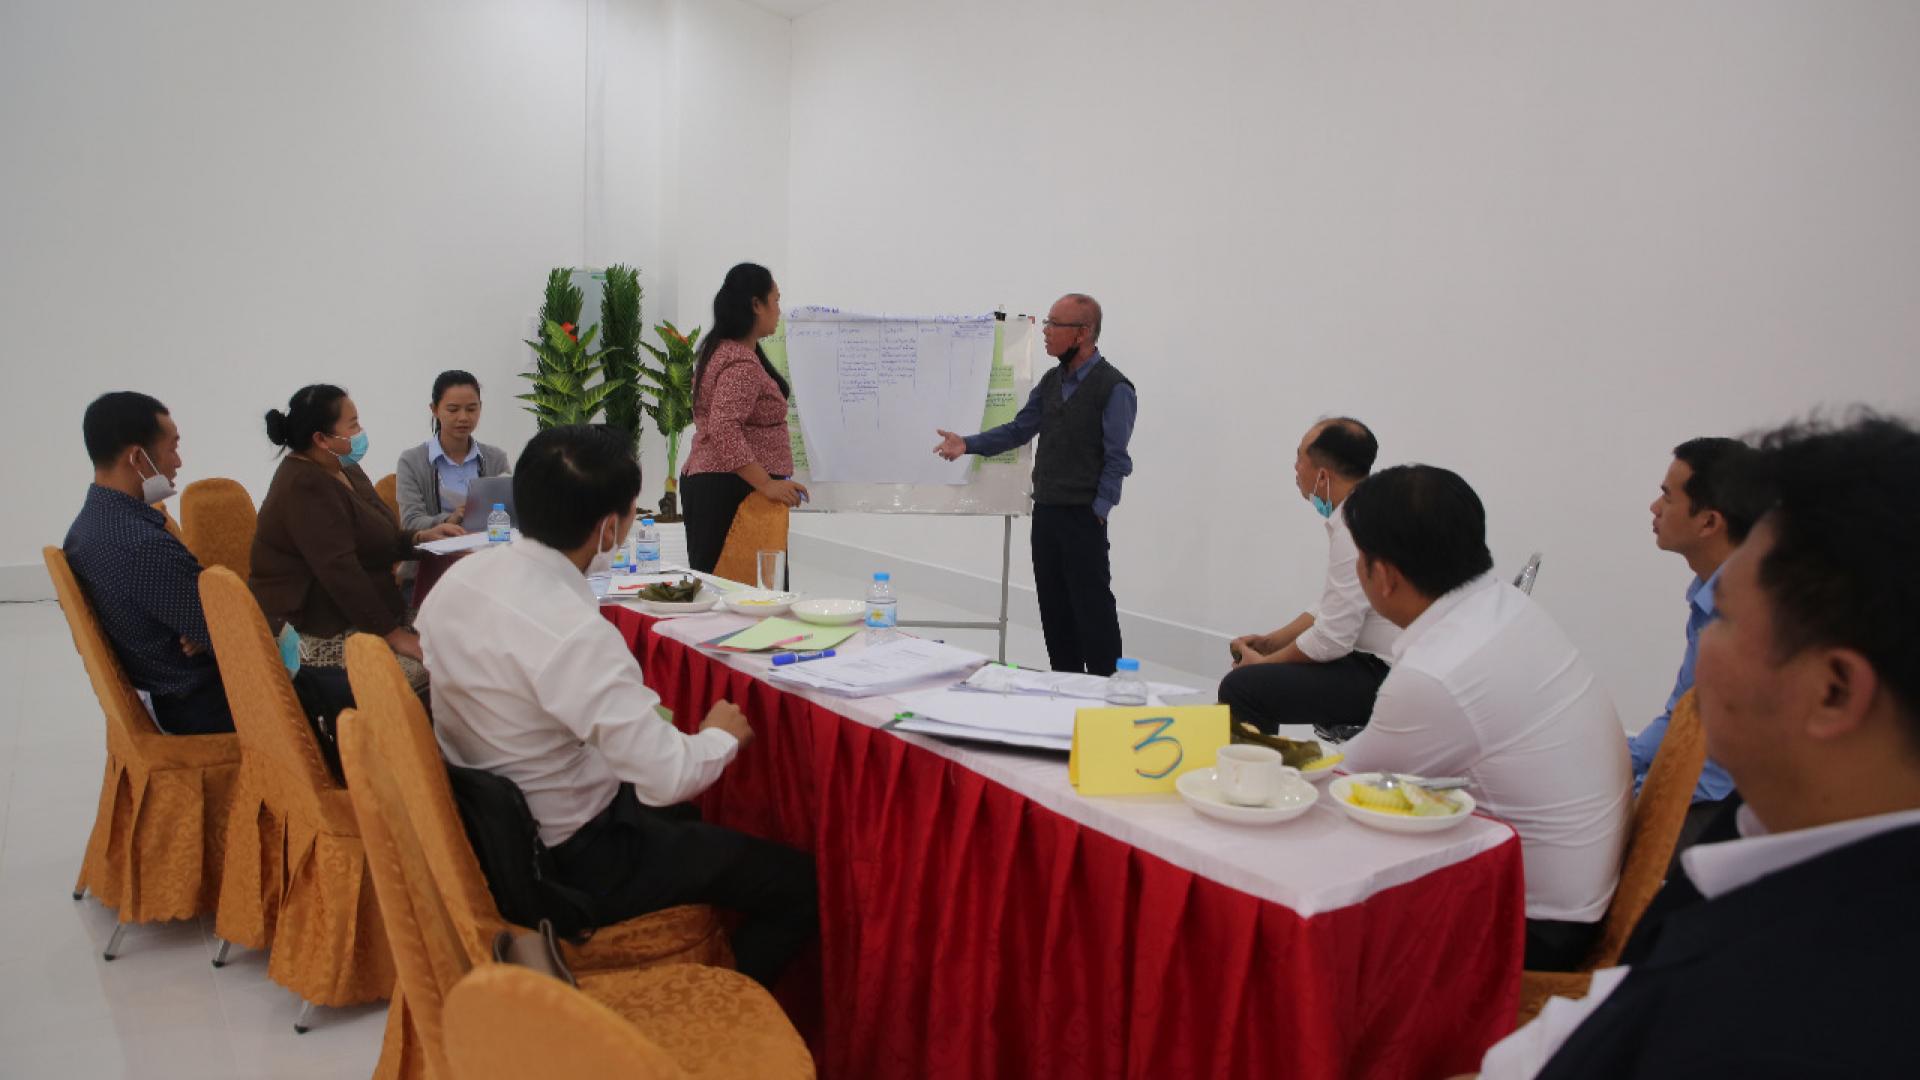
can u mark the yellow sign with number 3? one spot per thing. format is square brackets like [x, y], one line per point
[1129, 751]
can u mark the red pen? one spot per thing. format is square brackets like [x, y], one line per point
[789, 641]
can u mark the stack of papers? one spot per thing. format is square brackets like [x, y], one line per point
[786, 635]
[1001, 679]
[1042, 722]
[881, 669]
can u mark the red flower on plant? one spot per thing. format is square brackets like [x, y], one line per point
[568, 327]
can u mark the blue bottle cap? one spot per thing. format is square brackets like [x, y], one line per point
[883, 576]
[499, 506]
[646, 521]
[1128, 663]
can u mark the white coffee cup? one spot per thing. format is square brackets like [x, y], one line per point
[1249, 775]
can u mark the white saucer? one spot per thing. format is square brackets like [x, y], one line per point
[1294, 798]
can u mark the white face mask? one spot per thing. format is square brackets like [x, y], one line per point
[602, 560]
[153, 488]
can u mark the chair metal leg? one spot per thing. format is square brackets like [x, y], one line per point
[220, 958]
[80, 893]
[113, 943]
[304, 1022]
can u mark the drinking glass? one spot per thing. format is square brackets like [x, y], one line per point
[770, 570]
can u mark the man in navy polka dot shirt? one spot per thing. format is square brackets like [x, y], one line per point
[143, 583]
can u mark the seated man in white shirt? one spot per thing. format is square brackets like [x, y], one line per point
[1324, 667]
[1787, 952]
[531, 683]
[1485, 685]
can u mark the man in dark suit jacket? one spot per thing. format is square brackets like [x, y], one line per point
[1788, 951]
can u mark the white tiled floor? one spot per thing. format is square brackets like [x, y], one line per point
[160, 1009]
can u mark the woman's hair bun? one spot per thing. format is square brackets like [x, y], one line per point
[277, 427]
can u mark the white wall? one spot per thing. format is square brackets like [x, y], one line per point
[1536, 243]
[220, 202]
[729, 125]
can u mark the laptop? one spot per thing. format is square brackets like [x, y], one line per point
[482, 493]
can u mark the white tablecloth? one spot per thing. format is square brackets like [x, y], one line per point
[1318, 862]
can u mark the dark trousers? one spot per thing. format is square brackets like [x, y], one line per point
[1554, 945]
[633, 859]
[1074, 579]
[200, 711]
[1335, 694]
[707, 505]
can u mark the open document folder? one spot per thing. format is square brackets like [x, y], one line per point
[1044, 723]
[880, 669]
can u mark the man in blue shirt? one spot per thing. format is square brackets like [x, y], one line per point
[143, 583]
[1702, 517]
[1083, 412]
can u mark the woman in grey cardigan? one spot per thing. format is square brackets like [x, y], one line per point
[450, 460]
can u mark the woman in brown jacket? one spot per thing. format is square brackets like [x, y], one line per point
[326, 544]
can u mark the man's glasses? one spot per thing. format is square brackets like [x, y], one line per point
[1049, 324]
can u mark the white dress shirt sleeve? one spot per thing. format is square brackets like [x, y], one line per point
[592, 685]
[1417, 727]
[1343, 607]
[1521, 1055]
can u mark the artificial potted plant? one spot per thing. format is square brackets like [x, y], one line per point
[668, 388]
[620, 330]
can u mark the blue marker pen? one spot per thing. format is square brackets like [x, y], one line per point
[786, 658]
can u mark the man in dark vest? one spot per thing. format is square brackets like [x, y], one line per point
[1083, 412]
[1787, 949]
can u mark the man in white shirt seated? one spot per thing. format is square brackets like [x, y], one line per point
[1324, 667]
[1485, 685]
[531, 683]
[1787, 952]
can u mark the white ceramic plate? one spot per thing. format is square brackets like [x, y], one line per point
[1401, 823]
[829, 612]
[758, 602]
[1294, 798]
[1326, 767]
[702, 602]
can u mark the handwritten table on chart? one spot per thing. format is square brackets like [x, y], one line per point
[871, 390]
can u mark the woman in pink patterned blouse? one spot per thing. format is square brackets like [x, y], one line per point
[740, 443]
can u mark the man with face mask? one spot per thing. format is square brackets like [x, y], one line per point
[530, 683]
[143, 583]
[1083, 413]
[1325, 666]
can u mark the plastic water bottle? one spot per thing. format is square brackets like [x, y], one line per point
[622, 566]
[499, 525]
[883, 609]
[1125, 686]
[646, 548]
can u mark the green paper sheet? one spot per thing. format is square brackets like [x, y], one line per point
[763, 635]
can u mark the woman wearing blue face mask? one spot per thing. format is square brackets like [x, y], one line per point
[326, 543]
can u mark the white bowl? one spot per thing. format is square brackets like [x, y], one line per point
[1342, 787]
[828, 612]
[759, 602]
[1199, 789]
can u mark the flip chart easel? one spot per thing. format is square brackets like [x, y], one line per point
[1000, 486]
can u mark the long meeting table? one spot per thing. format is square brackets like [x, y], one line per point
[979, 918]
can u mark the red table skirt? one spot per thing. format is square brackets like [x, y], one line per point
[967, 931]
